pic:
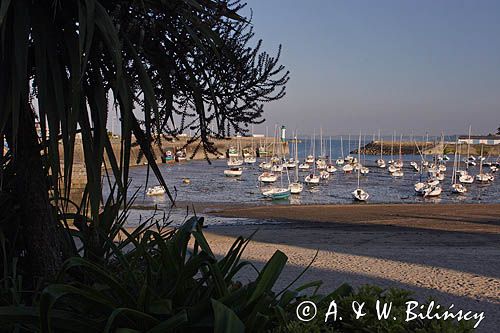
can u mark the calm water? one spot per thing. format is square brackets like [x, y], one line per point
[209, 185]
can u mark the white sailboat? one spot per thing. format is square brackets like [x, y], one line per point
[312, 178]
[456, 187]
[359, 194]
[155, 190]
[362, 168]
[399, 162]
[330, 168]
[465, 178]
[483, 177]
[340, 160]
[233, 172]
[267, 177]
[380, 161]
[296, 187]
[250, 158]
[281, 192]
[234, 156]
[349, 158]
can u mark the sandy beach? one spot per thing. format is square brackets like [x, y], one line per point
[448, 252]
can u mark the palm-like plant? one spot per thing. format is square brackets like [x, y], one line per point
[164, 66]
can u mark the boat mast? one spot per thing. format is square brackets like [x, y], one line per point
[454, 174]
[380, 141]
[468, 150]
[392, 146]
[296, 158]
[341, 147]
[481, 161]
[400, 154]
[359, 156]
[314, 152]
[321, 141]
[330, 152]
[349, 152]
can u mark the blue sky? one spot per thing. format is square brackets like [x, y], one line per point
[387, 64]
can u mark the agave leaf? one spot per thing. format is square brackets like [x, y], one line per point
[225, 320]
[101, 275]
[63, 321]
[129, 317]
[171, 323]
[270, 273]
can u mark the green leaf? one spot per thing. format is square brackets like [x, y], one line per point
[269, 275]
[225, 320]
[171, 323]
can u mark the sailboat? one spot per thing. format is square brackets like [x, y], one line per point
[399, 162]
[155, 190]
[380, 161]
[321, 161]
[362, 168]
[340, 160]
[233, 172]
[304, 166]
[330, 168]
[456, 187]
[234, 155]
[250, 157]
[279, 193]
[313, 178]
[296, 187]
[464, 176]
[349, 158]
[395, 167]
[359, 194]
[483, 177]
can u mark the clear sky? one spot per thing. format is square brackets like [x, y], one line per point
[426, 65]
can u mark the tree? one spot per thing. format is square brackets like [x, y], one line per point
[166, 66]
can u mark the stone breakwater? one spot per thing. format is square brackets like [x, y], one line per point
[429, 148]
[79, 177]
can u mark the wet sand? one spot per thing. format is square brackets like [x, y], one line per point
[448, 252]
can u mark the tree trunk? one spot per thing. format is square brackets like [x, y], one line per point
[39, 227]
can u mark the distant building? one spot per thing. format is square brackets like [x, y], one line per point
[480, 139]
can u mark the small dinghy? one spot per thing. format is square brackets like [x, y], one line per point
[392, 168]
[312, 179]
[339, 161]
[155, 190]
[398, 173]
[323, 174]
[296, 188]
[265, 165]
[360, 195]
[364, 170]
[304, 167]
[432, 191]
[466, 179]
[381, 163]
[420, 187]
[458, 188]
[250, 159]
[267, 177]
[233, 162]
[233, 172]
[331, 168]
[347, 168]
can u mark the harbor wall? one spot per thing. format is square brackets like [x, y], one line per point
[428, 148]
[79, 177]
